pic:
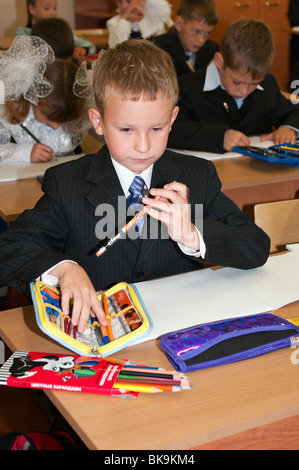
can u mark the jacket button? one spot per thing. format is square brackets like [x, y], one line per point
[139, 273]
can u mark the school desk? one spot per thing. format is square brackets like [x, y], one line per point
[253, 404]
[245, 180]
[98, 37]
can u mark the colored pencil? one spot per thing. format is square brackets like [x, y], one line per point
[133, 379]
[106, 310]
[125, 229]
[137, 388]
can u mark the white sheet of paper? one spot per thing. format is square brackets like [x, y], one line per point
[204, 296]
[12, 171]
[256, 141]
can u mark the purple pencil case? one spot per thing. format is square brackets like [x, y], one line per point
[226, 341]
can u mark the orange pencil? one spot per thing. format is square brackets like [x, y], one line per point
[106, 310]
[123, 230]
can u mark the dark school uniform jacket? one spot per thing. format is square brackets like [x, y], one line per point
[63, 225]
[203, 119]
[171, 43]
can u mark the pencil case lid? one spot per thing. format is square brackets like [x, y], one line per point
[227, 341]
[50, 319]
[273, 158]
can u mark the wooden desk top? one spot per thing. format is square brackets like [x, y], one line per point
[98, 37]
[245, 180]
[16, 196]
[226, 401]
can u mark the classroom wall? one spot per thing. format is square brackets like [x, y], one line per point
[13, 14]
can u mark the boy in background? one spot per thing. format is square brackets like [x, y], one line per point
[188, 41]
[138, 19]
[235, 96]
[136, 92]
[40, 9]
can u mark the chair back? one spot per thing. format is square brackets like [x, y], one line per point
[280, 220]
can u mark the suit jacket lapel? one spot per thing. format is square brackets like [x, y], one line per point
[104, 177]
[228, 105]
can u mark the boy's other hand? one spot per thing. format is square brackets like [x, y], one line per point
[233, 138]
[75, 285]
[41, 153]
[282, 135]
[173, 209]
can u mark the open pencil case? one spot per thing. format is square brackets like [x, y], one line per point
[282, 153]
[227, 341]
[128, 320]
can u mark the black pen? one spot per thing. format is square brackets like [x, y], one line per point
[32, 135]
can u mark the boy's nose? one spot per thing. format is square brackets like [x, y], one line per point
[142, 143]
[245, 89]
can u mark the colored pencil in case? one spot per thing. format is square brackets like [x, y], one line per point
[106, 310]
[156, 373]
[133, 387]
[104, 334]
[137, 388]
[132, 378]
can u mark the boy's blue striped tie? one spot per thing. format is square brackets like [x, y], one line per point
[135, 199]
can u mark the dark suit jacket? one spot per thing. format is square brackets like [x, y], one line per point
[202, 120]
[171, 43]
[63, 225]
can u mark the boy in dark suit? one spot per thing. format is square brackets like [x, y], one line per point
[188, 41]
[136, 93]
[235, 96]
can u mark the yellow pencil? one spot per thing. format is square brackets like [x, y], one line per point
[137, 388]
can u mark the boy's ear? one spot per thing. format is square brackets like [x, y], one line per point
[96, 120]
[31, 9]
[178, 23]
[174, 115]
[218, 59]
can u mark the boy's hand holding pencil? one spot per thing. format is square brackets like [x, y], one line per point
[170, 205]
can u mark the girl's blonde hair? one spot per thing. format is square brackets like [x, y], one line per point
[132, 69]
[61, 105]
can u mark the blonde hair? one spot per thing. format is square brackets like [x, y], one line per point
[132, 69]
[248, 45]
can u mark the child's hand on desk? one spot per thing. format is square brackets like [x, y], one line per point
[173, 209]
[76, 285]
[233, 138]
[282, 135]
[41, 153]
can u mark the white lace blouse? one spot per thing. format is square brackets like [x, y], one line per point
[63, 140]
